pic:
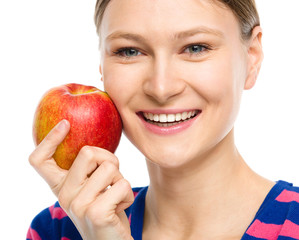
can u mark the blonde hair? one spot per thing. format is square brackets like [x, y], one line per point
[244, 10]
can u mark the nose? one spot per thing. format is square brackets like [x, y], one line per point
[163, 82]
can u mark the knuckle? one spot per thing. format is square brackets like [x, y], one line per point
[115, 161]
[87, 152]
[108, 156]
[108, 221]
[125, 184]
[33, 159]
[75, 207]
[108, 167]
[125, 187]
[127, 190]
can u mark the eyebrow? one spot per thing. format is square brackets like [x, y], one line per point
[178, 35]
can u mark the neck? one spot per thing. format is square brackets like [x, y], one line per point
[204, 192]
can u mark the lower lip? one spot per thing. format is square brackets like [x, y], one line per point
[170, 129]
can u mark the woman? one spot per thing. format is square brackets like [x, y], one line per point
[184, 65]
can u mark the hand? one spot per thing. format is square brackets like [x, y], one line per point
[92, 192]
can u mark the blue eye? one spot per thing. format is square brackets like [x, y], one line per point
[195, 49]
[127, 52]
[131, 52]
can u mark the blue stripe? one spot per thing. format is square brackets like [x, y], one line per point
[137, 214]
[286, 238]
[248, 237]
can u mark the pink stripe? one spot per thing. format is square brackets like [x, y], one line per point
[288, 196]
[130, 218]
[64, 238]
[259, 229]
[290, 229]
[33, 235]
[135, 194]
[57, 212]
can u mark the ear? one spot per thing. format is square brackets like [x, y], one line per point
[100, 69]
[255, 57]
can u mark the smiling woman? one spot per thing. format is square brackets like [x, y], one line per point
[184, 65]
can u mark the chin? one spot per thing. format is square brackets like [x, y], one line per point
[170, 157]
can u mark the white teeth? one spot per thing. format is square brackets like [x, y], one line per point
[163, 118]
[170, 118]
[178, 117]
[151, 116]
[184, 115]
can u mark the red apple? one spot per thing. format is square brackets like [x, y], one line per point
[93, 117]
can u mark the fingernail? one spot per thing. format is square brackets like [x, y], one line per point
[62, 125]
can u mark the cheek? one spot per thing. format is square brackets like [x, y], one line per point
[121, 82]
[221, 80]
[213, 80]
[218, 82]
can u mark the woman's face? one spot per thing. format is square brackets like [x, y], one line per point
[172, 59]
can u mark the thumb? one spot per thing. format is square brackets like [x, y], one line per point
[41, 158]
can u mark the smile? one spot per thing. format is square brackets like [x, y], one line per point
[168, 120]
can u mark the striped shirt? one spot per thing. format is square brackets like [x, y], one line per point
[277, 218]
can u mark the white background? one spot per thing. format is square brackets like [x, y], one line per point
[48, 43]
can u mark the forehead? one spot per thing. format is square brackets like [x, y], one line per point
[153, 18]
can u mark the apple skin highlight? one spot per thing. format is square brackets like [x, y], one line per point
[94, 120]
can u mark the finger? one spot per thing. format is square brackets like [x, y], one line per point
[119, 197]
[125, 196]
[107, 174]
[87, 161]
[102, 212]
[41, 158]
[47, 147]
